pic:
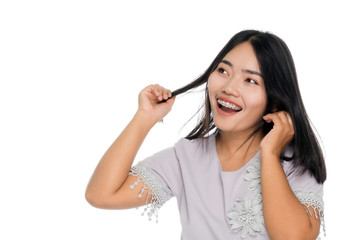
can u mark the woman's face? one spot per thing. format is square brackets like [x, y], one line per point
[237, 92]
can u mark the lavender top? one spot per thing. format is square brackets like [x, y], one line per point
[214, 204]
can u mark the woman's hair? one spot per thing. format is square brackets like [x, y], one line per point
[279, 74]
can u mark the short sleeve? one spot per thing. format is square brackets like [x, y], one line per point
[307, 190]
[160, 174]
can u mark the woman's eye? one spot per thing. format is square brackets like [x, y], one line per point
[251, 81]
[221, 70]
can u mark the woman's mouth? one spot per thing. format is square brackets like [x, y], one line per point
[228, 107]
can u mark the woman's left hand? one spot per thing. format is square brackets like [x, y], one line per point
[281, 134]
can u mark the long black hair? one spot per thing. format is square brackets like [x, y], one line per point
[279, 74]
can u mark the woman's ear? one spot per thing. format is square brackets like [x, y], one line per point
[274, 109]
[277, 106]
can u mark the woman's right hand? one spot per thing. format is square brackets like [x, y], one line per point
[109, 186]
[152, 104]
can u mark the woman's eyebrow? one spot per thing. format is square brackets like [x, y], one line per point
[227, 62]
[243, 70]
[253, 72]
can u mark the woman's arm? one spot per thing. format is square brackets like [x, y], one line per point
[109, 185]
[285, 217]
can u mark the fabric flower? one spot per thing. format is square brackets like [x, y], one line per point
[247, 216]
[253, 176]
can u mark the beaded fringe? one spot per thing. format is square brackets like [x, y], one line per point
[158, 192]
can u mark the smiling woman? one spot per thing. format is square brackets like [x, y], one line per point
[234, 83]
[253, 146]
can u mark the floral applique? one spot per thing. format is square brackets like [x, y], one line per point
[246, 215]
[253, 176]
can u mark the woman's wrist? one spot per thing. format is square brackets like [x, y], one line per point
[269, 153]
[144, 119]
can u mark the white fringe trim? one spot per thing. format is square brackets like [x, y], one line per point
[158, 192]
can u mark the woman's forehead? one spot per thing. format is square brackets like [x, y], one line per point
[242, 56]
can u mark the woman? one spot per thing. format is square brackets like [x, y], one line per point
[251, 169]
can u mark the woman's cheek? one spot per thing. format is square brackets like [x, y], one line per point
[213, 86]
[257, 101]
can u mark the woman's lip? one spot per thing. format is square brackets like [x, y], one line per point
[223, 113]
[228, 100]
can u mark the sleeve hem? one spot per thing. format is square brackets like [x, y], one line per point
[310, 199]
[158, 192]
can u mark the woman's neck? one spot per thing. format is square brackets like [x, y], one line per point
[231, 141]
[235, 149]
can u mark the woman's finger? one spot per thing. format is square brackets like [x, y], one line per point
[290, 122]
[281, 120]
[166, 94]
[160, 92]
[272, 117]
[282, 116]
[286, 119]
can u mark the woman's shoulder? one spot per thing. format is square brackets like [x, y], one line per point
[193, 146]
[296, 174]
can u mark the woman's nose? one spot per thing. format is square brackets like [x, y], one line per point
[232, 87]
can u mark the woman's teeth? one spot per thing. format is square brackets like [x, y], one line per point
[228, 105]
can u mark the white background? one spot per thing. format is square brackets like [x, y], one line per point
[70, 74]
